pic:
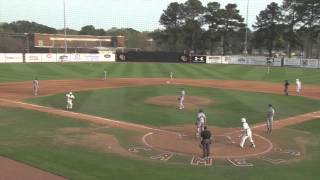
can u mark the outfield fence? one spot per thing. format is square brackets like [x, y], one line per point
[55, 57]
[112, 57]
[263, 61]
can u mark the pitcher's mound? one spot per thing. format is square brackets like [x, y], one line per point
[190, 102]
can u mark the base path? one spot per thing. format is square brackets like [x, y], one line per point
[173, 140]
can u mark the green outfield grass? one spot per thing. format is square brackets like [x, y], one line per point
[25, 72]
[29, 137]
[128, 104]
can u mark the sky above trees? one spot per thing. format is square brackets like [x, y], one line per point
[142, 15]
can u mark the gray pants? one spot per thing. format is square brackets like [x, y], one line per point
[206, 147]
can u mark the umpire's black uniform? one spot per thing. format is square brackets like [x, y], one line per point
[206, 141]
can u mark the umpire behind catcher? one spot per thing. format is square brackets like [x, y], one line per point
[205, 142]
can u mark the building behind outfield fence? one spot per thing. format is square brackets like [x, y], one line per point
[55, 43]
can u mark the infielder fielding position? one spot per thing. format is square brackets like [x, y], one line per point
[247, 133]
[70, 98]
[270, 114]
[35, 86]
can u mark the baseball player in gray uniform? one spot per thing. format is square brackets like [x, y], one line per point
[35, 86]
[270, 114]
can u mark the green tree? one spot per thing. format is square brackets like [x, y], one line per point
[172, 20]
[193, 11]
[310, 22]
[26, 27]
[267, 24]
[88, 30]
[225, 22]
[293, 11]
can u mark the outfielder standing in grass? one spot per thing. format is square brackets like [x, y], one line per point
[270, 114]
[105, 74]
[171, 76]
[181, 98]
[286, 87]
[35, 86]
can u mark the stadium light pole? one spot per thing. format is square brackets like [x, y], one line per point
[65, 30]
[246, 38]
[26, 35]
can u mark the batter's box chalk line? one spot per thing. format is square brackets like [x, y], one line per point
[163, 157]
[198, 161]
[137, 149]
[240, 162]
[272, 161]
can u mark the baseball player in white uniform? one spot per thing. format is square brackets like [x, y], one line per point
[247, 133]
[171, 76]
[105, 72]
[201, 122]
[181, 98]
[270, 114]
[35, 86]
[298, 86]
[70, 98]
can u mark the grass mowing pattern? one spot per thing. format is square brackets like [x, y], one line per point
[229, 106]
[27, 136]
[26, 72]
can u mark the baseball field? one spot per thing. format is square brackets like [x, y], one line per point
[129, 126]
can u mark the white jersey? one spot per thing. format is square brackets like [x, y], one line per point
[70, 97]
[183, 93]
[246, 128]
[298, 83]
[201, 118]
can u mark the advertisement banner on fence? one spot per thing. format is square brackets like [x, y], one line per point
[292, 62]
[198, 59]
[63, 57]
[49, 57]
[33, 57]
[310, 63]
[2, 58]
[214, 59]
[110, 57]
[14, 57]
